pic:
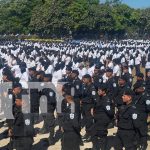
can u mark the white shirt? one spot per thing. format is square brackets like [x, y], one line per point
[116, 71]
[147, 65]
[24, 80]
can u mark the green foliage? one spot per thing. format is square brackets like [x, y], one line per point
[60, 18]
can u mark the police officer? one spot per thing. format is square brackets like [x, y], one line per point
[127, 75]
[139, 80]
[97, 76]
[142, 102]
[70, 124]
[77, 90]
[49, 118]
[123, 86]
[87, 104]
[34, 94]
[22, 131]
[148, 81]
[129, 123]
[111, 84]
[103, 115]
[67, 76]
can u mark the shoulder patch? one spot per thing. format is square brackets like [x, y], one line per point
[71, 116]
[93, 93]
[108, 107]
[50, 94]
[114, 85]
[27, 122]
[10, 96]
[100, 80]
[134, 116]
[130, 80]
[147, 102]
[77, 86]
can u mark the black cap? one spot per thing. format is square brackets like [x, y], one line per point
[67, 88]
[98, 66]
[23, 65]
[125, 66]
[141, 75]
[128, 92]
[123, 77]
[41, 73]
[87, 76]
[6, 71]
[139, 85]
[75, 72]
[103, 87]
[32, 68]
[68, 68]
[15, 85]
[49, 76]
[109, 70]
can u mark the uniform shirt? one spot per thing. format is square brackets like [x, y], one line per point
[77, 84]
[142, 103]
[147, 65]
[129, 78]
[89, 94]
[97, 80]
[137, 60]
[103, 108]
[112, 88]
[50, 99]
[24, 80]
[148, 84]
[57, 75]
[128, 118]
[118, 98]
[23, 124]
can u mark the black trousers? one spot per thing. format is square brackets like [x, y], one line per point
[87, 120]
[22, 143]
[49, 123]
[127, 139]
[70, 141]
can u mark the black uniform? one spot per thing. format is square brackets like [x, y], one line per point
[77, 85]
[88, 100]
[22, 130]
[121, 90]
[148, 84]
[71, 135]
[97, 80]
[142, 103]
[138, 82]
[34, 99]
[112, 88]
[129, 123]
[129, 78]
[49, 119]
[103, 115]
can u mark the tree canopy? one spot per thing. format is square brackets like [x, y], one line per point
[79, 18]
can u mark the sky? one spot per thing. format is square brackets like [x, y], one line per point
[136, 3]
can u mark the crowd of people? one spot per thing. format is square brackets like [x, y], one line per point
[111, 82]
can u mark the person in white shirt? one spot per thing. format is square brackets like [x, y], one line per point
[137, 63]
[147, 66]
[116, 69]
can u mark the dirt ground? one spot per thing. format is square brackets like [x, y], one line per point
[40, 141]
